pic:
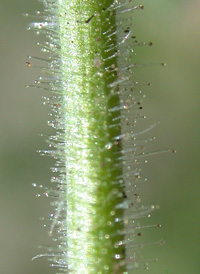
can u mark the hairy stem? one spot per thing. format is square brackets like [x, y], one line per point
[91, 122]
[95, 106]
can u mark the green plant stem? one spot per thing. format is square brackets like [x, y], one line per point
[98, 151]
[91, 119]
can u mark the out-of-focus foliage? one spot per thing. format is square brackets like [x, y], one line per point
[173, 27]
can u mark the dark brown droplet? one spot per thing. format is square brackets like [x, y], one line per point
[28, 64]
[124, 194]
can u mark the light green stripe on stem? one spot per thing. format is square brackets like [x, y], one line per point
[94, 184]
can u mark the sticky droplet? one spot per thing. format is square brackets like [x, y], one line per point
[28, 64]
[108, 146]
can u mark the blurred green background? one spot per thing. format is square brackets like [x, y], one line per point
[173, 179]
